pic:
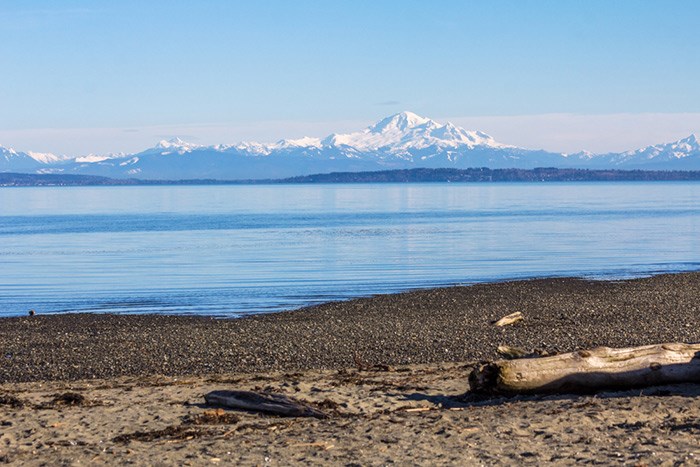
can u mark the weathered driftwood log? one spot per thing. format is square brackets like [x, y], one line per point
[591, 370]
[266, 402]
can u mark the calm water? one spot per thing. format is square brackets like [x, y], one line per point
[232, 250]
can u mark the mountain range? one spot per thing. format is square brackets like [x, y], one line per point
[401, 141]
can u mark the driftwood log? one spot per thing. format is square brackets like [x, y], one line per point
[277, 404]
[591, 370]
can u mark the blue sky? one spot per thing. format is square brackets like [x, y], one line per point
[95, 76]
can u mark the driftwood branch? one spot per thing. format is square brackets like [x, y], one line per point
[591, 370]
[510, 319]
[266, 402]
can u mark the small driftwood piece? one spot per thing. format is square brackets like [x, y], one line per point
[266, 402]
[591, 370]
[510, 319]
[511, 353]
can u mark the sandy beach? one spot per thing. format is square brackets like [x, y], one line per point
[390, 372]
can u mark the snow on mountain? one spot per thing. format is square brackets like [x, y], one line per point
[46, 157]
[407, 130]
[395, 134]
[8, 154]
[400, 141]
[680, 149]
[683, 154]
[11, 160]
[403, 140]
[581, 155]
[305, 142]
[99, 157]
[174, 145]
[252, 147]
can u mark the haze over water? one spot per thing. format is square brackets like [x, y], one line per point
[234, 250]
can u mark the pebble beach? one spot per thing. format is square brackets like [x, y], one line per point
[391, 369]
[451, 324]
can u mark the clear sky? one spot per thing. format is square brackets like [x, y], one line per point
[99, 76]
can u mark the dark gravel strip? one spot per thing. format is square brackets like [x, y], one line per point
[447, 324]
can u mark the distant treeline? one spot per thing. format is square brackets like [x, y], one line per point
[384, 176]
[17, 179]
[496, 175]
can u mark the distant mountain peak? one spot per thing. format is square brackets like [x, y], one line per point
[686, 148]
[401, 121]
[692, 139]
[7, 150]
[174, 143]
[407, 131]
[304, 142]
[46, 157]
[689, 144]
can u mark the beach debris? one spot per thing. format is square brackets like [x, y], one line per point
[212, 417]
[69, 398]
[10, 400]
[510, 319]
[511, 353]
[321, 444]
[66, 399]
[172, 432]
[420, 409]
[362, 365]
[591, 370]
[271, 403]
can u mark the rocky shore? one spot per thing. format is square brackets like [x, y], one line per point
[427, 326]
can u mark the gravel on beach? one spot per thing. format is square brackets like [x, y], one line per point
[426, 326]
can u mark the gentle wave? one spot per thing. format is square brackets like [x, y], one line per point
[68, 224]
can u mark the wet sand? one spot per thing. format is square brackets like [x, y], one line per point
[390, 370]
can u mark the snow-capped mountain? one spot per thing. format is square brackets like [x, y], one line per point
[683, 154]
[15, 160]
[400, 141]
[407, 131]
[395, 134]
[174, 146]
[680, 153]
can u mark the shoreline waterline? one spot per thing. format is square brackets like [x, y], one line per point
[615, 276]
[426, 326]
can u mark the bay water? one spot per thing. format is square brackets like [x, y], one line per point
[238, 249]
